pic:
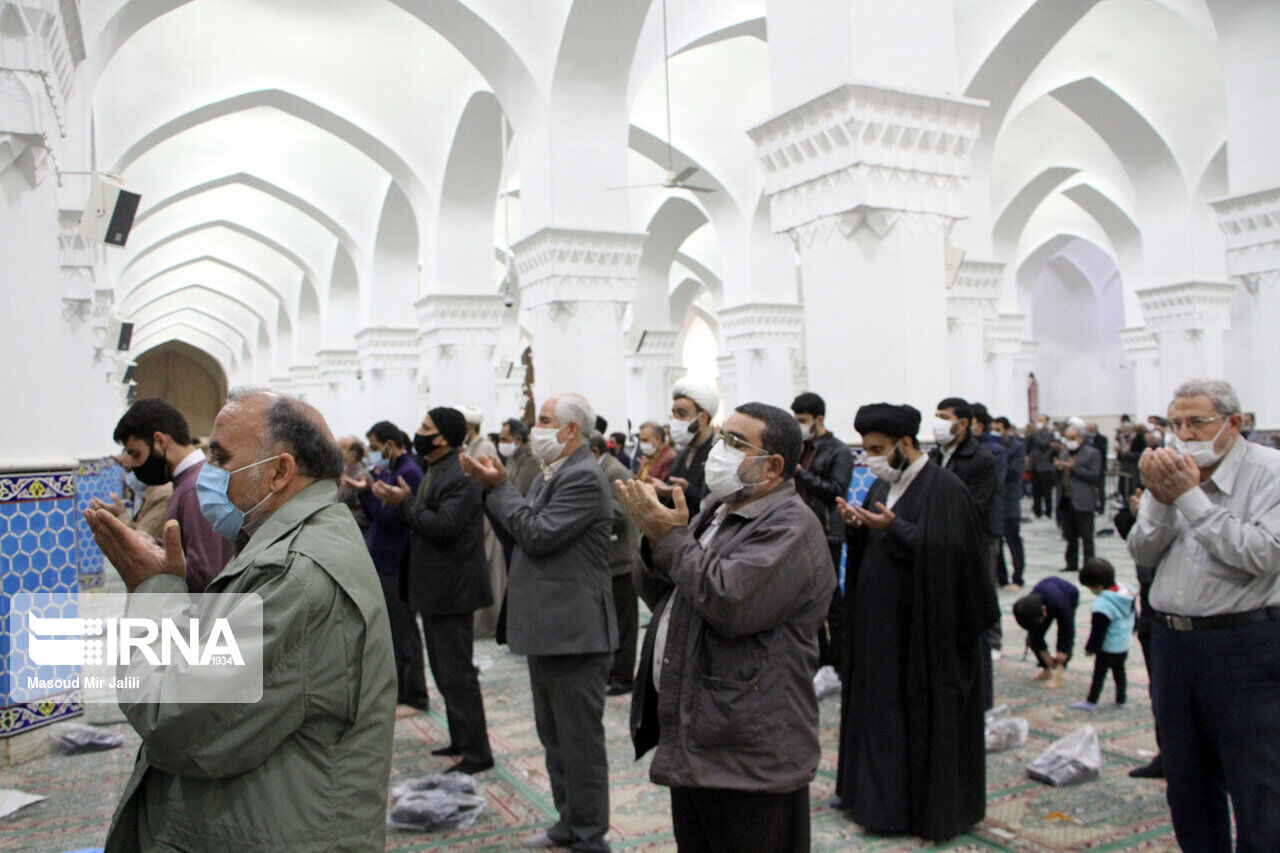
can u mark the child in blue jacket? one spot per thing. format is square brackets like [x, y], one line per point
[1114, 614]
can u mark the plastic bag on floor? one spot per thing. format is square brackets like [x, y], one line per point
[826, 683]
[1004, 732]
[435, 809]
[458, 783]
[1071, 760]
[75, 739]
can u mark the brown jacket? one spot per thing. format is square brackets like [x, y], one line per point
[736, 707]
[151, 516]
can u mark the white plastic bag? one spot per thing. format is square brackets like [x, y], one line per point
[75, 739]
[1071, 760]
[1004, 732]
[458, 783]
[826, 683]
[435, 802]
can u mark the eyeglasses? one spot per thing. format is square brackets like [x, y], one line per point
[737, 443]
[1196, 424]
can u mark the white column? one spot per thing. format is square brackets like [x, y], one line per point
[508, 391]
[1006, 384]
[574, 289]
[868, 181]
[340, 400]
[388, 361]
[1024, 364]
[1189, 321]
[653, 366]
[1252, 227]
[306, 384]
[459, 334]
[728, 366]
[1141, 348]
[763, 340]
[971, 304]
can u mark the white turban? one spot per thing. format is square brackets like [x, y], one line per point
[473, 414]
[1075, 421]
[707, 398]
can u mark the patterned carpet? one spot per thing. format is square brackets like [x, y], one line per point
[1111, 813]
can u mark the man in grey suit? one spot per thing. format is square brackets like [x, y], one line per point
[624, 548]
[560, 609]
[1080, 467]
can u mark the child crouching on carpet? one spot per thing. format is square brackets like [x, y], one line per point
[1114, 614]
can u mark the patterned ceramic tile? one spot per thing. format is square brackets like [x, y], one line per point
[96, 478]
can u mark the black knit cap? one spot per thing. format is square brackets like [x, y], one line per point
[451, 424]
[887, 419]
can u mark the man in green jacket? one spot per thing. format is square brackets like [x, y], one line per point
[306, 767]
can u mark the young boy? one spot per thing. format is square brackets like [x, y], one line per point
[1114, 613]
[1053, 599]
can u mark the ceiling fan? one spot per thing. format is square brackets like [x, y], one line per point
[673, 180]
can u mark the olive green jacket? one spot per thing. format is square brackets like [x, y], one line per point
[306, 767]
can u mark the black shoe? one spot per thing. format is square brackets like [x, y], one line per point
[449, 751]
[1068, 569]
[1154, 770]
[471, 767]
[618, 690]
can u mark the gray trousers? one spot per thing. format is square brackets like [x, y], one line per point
[568, 707]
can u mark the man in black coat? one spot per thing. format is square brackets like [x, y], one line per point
[693, 405]
[448, 579]
[824, 473]
[1015, 463]
[1098, 442]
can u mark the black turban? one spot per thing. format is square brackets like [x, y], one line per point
[451, 424]
[887, 419]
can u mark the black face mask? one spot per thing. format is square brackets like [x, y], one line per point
[154, 471]
[425, 445]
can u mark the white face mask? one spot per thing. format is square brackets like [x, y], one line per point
[806, 431]
[507, 449]
[942, 431]
[723, 464]
[1073, 444]
[1201, 452]
[881, 467]
[647, 448]
[543, 443]
[680, 433]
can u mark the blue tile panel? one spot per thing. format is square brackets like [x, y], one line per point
[95, 478]
[39, 552]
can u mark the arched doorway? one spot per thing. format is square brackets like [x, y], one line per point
[188, 378]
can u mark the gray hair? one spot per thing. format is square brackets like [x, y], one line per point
[291, 430]
[1224, 397]
[574, 408]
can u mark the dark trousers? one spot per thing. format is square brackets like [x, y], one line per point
[1077, 528]
[568, 708]
[832, 638]
[1017, 556]
[715, 820]
[1042, 483]
[626, 603]
[406, 641]
[450, 639]
[1217, 697]
[1144, 640]
[1103, 663]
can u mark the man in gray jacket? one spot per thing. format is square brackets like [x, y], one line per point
[725, 687]
[624, 547]
[1080, 467]
[560, 609]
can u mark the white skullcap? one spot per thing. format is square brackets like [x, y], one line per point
[473, 414]
[1075, 421]
[707, 398]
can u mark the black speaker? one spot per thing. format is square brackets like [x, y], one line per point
[108, 214]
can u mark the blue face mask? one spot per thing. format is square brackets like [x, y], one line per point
[375, 460]
[211, 490]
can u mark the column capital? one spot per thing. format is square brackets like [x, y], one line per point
[337, 365]
[1139, 344]
[1187, 306]
[762, 325]
[1003, 334]
[305, 378]
[1251, 224]
[867, 146]
[1027, 354]
[972, 297]
[280, 384]
[559, 265]
[650, 347]
[382, 348]
[879, 221]
[448, 320]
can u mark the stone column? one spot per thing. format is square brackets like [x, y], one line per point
[868, 182]
[971, 305]
[1141, 348]
[459, 334]
[1006, 382]
[388, 360]
[653, 366]
[1252, 226]
[508, 392]
[575, 286]
[728, 380]
[1024, 365]
[307, 385]
[1189, 321]
[763, 340]
[340, 398]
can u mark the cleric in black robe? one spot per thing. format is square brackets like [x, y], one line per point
[912, 754]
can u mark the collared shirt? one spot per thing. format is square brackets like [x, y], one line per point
[195, 457]
[897, 489]
[549, 471]
[1216, 549]
[947, 452]
[664, 622]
